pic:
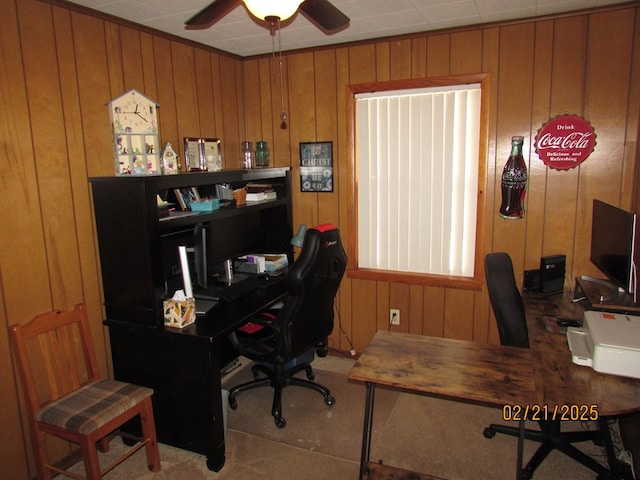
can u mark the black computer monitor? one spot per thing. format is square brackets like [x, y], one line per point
[232, 237]
[613, 241]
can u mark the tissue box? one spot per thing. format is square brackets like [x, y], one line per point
[205, 205]
[179, 313]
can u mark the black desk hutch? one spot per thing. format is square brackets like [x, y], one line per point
[140, 268]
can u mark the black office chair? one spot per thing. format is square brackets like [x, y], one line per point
[285, 341]
[508, 308]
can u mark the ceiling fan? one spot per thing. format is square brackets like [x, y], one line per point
[320, 12]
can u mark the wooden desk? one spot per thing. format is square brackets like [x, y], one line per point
[141, 267]
[446, 368]
[494, 375]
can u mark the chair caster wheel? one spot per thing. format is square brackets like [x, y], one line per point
[322, 349]
[329, 400]
[233, 403]
[281, 422]
[310, 375]
[489, 432]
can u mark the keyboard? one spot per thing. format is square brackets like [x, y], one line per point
[236, 291]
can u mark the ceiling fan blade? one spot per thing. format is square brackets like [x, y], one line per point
[324, 15]
[211, 14]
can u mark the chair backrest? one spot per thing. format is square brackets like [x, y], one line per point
[54, 355]
[313, 282]
[506, 300]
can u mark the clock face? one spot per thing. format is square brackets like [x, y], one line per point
[134, 113]
[134, 120]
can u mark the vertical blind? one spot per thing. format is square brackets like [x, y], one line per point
[417, 166]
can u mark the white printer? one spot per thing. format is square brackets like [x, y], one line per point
[608, 342]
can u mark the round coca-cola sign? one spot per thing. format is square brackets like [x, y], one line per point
[565, 142]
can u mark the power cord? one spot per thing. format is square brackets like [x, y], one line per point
[353, 350]
[391, 320]
[624, 456]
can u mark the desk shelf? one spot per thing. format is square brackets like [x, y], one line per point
[190, 218]
[138, 250]
[602, 297]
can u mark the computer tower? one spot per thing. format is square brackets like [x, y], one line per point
[552, 271]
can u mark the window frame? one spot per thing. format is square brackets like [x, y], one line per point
[445, 281]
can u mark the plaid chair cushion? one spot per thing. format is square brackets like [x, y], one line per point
[93, 405]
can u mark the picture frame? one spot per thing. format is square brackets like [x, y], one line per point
[203, 154]
[316, 166]
[185, 196]
[193, 155]
[212, 153]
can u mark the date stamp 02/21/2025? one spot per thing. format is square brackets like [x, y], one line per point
[537, 412]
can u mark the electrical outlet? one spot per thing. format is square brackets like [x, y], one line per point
[394, 316]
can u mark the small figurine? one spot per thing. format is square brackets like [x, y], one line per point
[139, 167]
[169, 160]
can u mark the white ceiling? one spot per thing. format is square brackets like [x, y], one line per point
[239, 34]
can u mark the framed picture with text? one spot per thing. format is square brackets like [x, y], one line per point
[212, 153]
[193, 155]
[203, 154]
[316, 166]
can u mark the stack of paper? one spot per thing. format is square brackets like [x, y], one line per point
[256, 196]
[262, 263]
[276, 262]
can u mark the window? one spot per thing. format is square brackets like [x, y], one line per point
[419, 169]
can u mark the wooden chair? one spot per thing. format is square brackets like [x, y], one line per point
[66, 397]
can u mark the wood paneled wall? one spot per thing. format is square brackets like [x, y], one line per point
[59, 66]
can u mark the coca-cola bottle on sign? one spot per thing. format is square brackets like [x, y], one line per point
[514, 182]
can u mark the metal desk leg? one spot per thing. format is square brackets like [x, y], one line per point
[367, 428]
[617, 469]
[520, 450]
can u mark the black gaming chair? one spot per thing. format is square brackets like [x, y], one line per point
[508, 308]
[285, 341]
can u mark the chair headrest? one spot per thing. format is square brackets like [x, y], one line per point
[325, 227]
[322, 253]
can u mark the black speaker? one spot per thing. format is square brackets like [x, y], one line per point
[552, 270]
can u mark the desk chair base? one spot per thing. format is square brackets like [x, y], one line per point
[279, 377]
[552, 438]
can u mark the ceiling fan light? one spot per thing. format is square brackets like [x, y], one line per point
[283, 9]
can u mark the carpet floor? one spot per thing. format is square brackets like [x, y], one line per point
[425, 434]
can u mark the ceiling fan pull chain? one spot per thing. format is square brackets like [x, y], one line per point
[283, 115]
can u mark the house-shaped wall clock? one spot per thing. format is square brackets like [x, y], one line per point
[134, 122]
